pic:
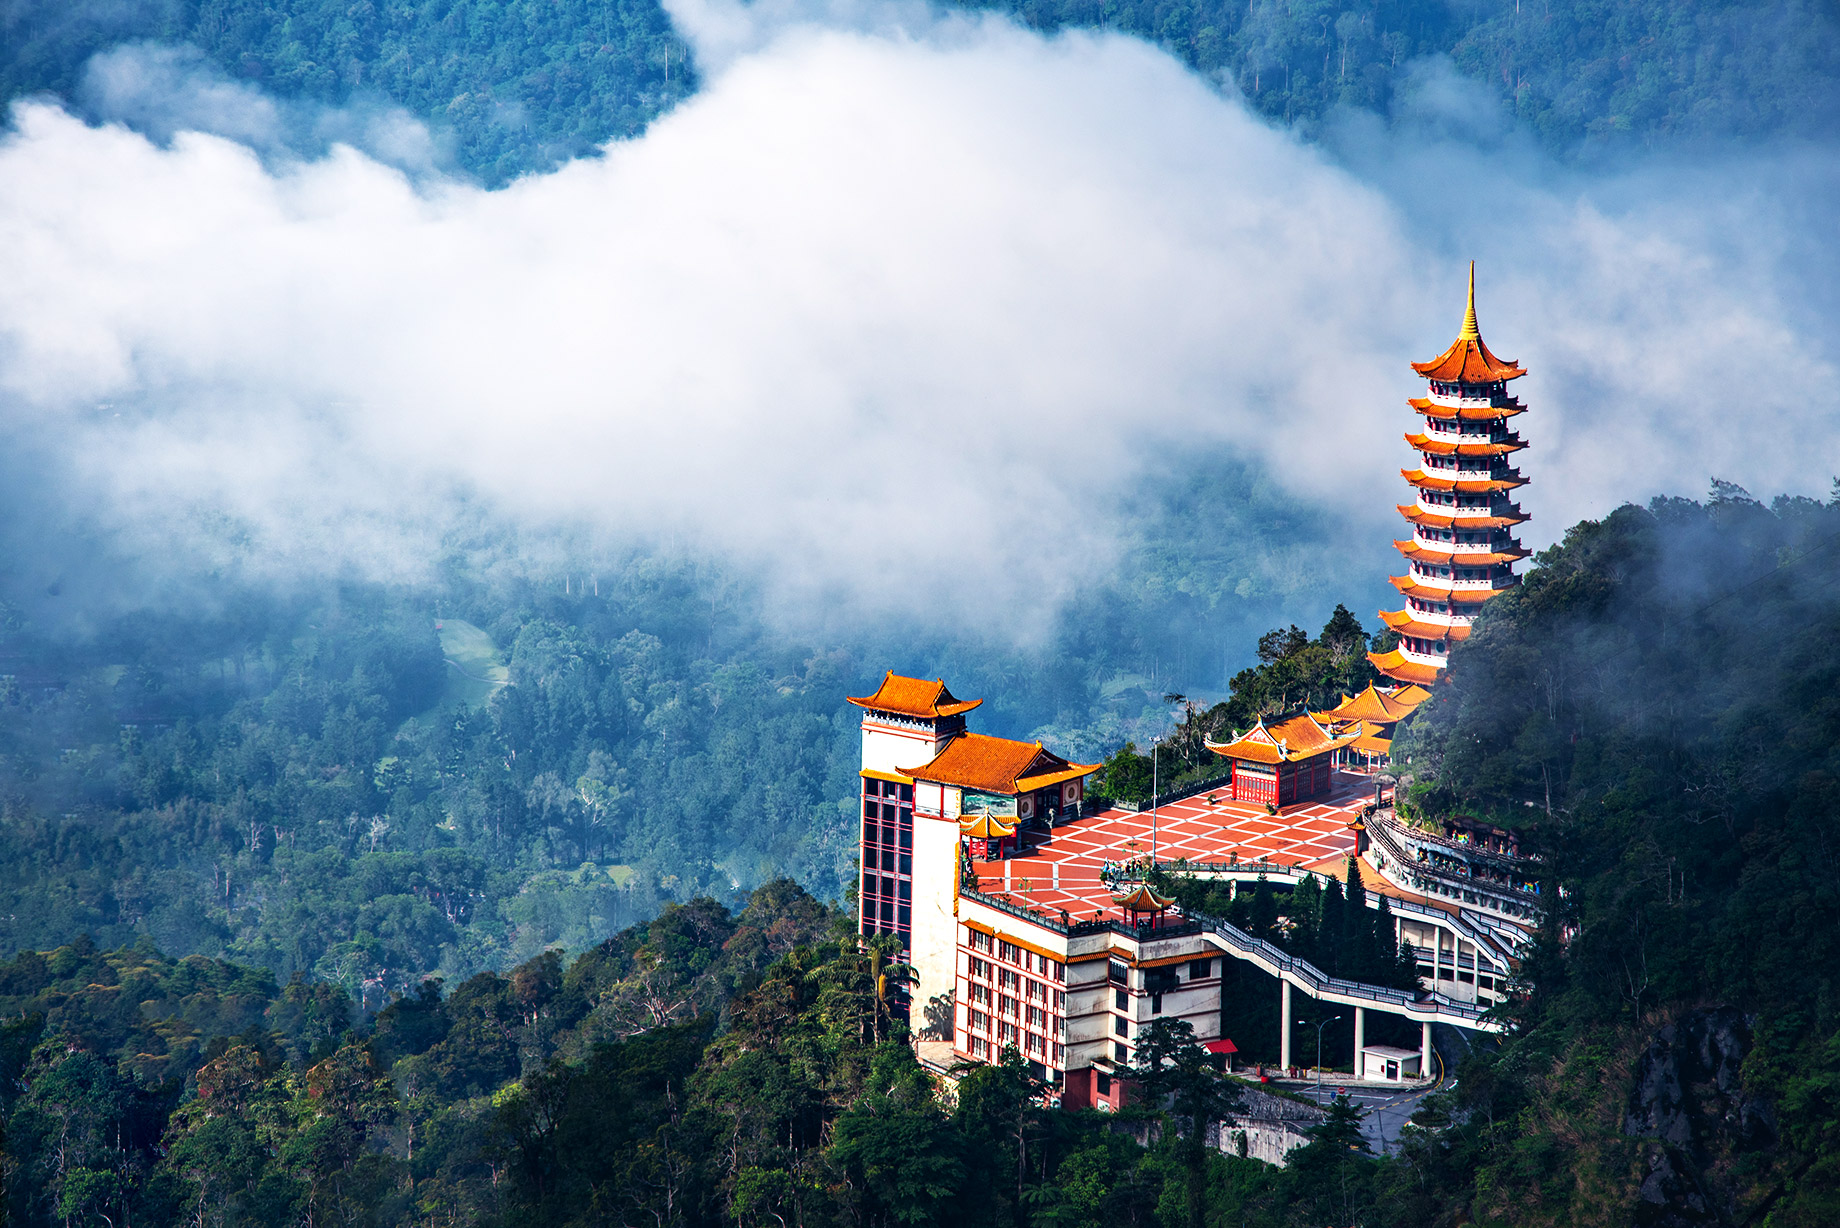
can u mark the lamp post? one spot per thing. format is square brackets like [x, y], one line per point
[1154, 743]
[1319, 1027]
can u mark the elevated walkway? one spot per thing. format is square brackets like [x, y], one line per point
[1419, 1007]
[1499, 939]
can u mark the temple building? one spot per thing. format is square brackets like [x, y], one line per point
[1291, 761]
[1462, 550]
[933, 793]
[1371, 717]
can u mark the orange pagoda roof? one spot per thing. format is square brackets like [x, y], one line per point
[915, 697]
[1435, 520]
[1394, 665]
[985, 827]
[1373, 706]
[1403, 622]
[1469, 413]
[997, 765]
[1435, 554]
[1439, 447]
[1468, 361]
[1412, 588]
[1142, 899]
[1372, 741]
[1288, 741]
[1466, 486]
[1412, 694]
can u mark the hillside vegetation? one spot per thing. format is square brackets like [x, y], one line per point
[520, 87]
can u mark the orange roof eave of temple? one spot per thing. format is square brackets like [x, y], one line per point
[1462, 596]
[1439, 447]
[1468, 413]
[1418, 515]
[1437, 554]
[916, 697]
[1403, 622]
[1423, 480]
[1395, 666]
[1468, 360]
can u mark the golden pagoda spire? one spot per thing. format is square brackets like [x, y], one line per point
[1470, 331]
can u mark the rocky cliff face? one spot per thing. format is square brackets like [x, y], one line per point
[1689, 1102]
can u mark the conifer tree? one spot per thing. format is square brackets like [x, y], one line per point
[1330, 924]
[1306, 914]
[1264, 917]
[1357, 955]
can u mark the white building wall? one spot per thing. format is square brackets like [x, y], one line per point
[888, 748]
[935, 929]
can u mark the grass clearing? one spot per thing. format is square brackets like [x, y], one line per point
[475, 668]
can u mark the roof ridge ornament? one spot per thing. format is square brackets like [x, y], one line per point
[1470, 331]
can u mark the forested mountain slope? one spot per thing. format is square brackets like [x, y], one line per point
[520, 87]
[1658, 707]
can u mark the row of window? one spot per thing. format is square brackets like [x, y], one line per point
[888, 788]
[1010, 953]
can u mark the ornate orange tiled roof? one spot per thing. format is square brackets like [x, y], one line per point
[915, 697]
[1468, 361]
[1436, 520]
[985, 827]
[1412, 694]
[1469, 413]
[1369, 705]
[1412, 588]
[1142, 899]
[1440, 447]
[1418, 477]
[1441, 554]
[1403, 622]
[1394, 665]
[995, 765]
[1288, 741]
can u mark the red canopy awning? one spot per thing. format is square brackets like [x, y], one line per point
[1223, 1045]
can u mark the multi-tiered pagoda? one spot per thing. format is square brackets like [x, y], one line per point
[1462, 550]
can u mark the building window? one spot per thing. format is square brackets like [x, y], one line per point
[1156, 1004]
[1121, 1026]
[1117, 973]
[1121, 1052]
[1104, 1084]
[1120, 1000]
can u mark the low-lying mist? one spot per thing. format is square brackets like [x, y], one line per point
[905, 318]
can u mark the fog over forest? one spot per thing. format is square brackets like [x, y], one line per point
[880, 242]
[1030, 356]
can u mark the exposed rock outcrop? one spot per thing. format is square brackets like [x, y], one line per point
[1688, 1098]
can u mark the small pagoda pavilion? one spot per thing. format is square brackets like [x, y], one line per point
[1371, 717]
[1462, 550]
[1290, 761]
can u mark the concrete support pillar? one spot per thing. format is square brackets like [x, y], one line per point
[1360, 1037]
[1424, 1051]
[1284, 1019]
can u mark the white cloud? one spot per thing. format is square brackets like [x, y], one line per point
[897, 309]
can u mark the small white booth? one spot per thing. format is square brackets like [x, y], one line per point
[1385, 1064]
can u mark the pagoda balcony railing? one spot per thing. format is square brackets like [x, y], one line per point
[1503, 508]
[1436, 659]
[1467, 586]
[1462, 547]
[1441, 620]
[1463, 437]
[1497, 400]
